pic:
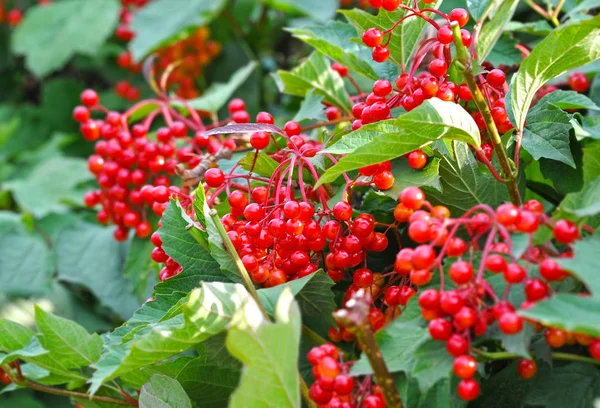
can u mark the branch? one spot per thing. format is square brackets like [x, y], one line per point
[355, 317]
[464, 65]
[505, 355]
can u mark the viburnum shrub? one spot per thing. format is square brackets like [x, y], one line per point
[428, 241]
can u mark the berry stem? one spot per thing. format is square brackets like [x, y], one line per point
[464, 59]
[505, 355]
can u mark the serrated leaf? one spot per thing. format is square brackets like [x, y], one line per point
[206, 313]
[562, 50]
[315, 73]
[51, 34]
[585, 263]
[405, 37]
[568, 100]
[547, 134]
[217, 94]
[51, 184]
[575, 385]
[311, 108]
[334, 40]
[269, 352]
[88, 255]
[314, 296]
[492, 30]
[405, 176]
[162, 21]
[569, 312]
[264, 165]
[464, 185]
[67, 341]
[163, 392]
[389, 139]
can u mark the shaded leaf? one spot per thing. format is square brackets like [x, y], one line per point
[585, 263]
[163, 392]
[311, 108]
[492, 30]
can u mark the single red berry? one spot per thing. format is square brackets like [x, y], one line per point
[429, 299]
[89, 98]
[555, 337]
[383, 180]
[527, 368]
[459, 15]
[260, 140]
[236, 104]
[464, 93]
[438, 67]
[342, 211]
[382, 87]
[496, 263]
[464, 366]
[461, 272]
[468, 389]
[423, 257]
[496, 78]
[565, 231]
[578, 82]
[457, 345]
[344, 385]
[372, 37]
[445, 35]
[510, 323]
[412, 197]
[551, 270]
[594, 349]
[380, 53]
[440, 329]
[214, 177]
[515, 273]
[333, 113]
[535, 290]
[417, 159]
[507, 214]
[340, 69]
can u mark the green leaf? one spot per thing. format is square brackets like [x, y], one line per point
[389, 139]
[518, 343]
[405, 176]
[180, 236]
[464, 185]
[218, 94]
[504, 389]
[138, 265]
[263, 166]
[568, 100]
[478, 7]
[13, 336]
[589, 126]
[269, 352]
[582, 6]
[165, 21]
[576, 385]
[585, 263]
[315, 73]
[51, 34]
[59, 96]
[585, 203]
[163, 392]
[565, 178]
[215, 242]
[405, 37]
[205, 313]
[314, 296]
[406, 346]
[311, 108]
[569, 312]
[334, 40]
[562, 50]
[67, 341]
[88, 255]
[25, 264]
[504, 52]
[547, 134]
[320, 10]
[51, 184]
[492, 30]
[591, 161]
[540, 27]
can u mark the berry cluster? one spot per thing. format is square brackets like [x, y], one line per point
[334, 388]
[179, 62]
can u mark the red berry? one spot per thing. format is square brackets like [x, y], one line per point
[344, 385]
[578, 82]
[412, 197]
[555, 337]
[515, 273]
[551, 270]
[333, 113]
[89, 98]
[464, 366]
[438, 67]
[459, 15]
[457, 345]
[496, 78]
[340, 69]
[507, 214]
[342, 211]
[214, 177]
[429, 299]
[265, 118]
[384, 180]
[510, 323]
[445, 35]
[565, 231]
[372, 37]
[440, 329]
[423, 257]
[464, 93]
[468, 389]
[535, 290]
[260, 140]
[380, 53]
[496, 263]
[527, 368]
[594, 349]
[382, 87]
[417, 159]
[461, 272]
